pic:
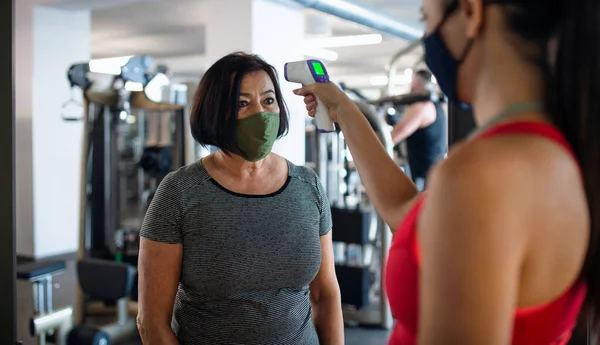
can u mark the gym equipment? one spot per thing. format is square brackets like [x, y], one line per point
[105, 281]
[99, 280]
[132, 140]
[408, 99]
[392, 70]
[46, 324]
[309, 72]
[120, 172]
[361, 248]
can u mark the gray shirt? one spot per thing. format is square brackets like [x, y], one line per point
[247, 260]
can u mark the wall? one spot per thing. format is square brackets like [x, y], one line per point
[49, 149]
[23, 44]
[262, 27]
[267, 41]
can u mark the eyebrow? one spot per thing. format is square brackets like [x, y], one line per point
[262, 94]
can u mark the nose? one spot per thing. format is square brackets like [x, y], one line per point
[257, 107]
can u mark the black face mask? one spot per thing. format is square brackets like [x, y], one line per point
[440, 61]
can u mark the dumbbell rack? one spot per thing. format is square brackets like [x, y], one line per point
[47, 324]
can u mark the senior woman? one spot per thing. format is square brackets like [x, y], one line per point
[236, 248]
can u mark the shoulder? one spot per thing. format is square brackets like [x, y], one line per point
[185, 178]
[303, 173]
[481, 195]
[308, 181]
[511, 163]
[501, 180]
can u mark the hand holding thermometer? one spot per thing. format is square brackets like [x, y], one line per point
[308, 72]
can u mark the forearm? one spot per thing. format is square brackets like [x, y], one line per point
[388, 187]
[328, 320]
[157, 334]
[399, 135]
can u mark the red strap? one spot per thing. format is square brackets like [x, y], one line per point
[530, 127]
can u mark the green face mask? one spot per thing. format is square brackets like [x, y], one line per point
[255, 135]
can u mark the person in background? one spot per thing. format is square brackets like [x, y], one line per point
[236, 248]
[423, 126]
[503, 247]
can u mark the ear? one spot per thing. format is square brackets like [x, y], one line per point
[472, 10]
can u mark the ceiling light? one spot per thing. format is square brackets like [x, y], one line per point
[383, 80]
[345, 41]
[319, 53]
[109, 65]
[408, 72]
[133, 86]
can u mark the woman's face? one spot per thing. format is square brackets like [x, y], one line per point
[457, 28]
[257, 94]
[454, 30]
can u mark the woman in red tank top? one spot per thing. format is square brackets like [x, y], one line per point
[504, 245]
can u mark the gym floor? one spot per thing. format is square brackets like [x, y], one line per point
[354, 336]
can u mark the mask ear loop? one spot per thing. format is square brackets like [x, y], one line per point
[466, 50]
[449, 10]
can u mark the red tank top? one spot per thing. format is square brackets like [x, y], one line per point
[548, 324]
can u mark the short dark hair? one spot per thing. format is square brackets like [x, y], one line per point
[424, 74]
[214, 113]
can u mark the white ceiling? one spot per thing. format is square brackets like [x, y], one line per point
[172, 31]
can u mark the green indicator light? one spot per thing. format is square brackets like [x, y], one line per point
[318, 68]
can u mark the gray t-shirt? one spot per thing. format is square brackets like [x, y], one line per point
[247, 260]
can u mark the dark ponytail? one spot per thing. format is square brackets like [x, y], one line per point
[572, 99]
[573, 102]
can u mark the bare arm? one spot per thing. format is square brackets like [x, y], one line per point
[159, 271]
[414, 117]
[473, 242]
[388, 187]
[326, 299]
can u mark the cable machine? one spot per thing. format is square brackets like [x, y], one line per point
[134, 134]
[360, 249]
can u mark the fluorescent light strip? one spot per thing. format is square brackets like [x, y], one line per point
[319, 53]
[345, 41]
[383, 80]
[109, 65]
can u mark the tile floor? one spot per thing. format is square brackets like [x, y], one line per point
[362, 336]
[354, 336]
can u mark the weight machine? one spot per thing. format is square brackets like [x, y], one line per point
[362, 243]
[133, 135]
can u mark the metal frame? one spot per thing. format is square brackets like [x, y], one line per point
[7, 181]
[328, 162]
[394, 62]
[47, 321]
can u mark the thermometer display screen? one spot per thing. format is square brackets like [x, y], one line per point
[318, 68]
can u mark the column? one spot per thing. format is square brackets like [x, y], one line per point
[275, 32]
[48, 149]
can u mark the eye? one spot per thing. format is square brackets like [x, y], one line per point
[270, 100]
[243, 103]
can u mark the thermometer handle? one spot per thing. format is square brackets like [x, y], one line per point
[324, 123]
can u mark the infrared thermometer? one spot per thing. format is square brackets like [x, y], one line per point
[308, 72]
